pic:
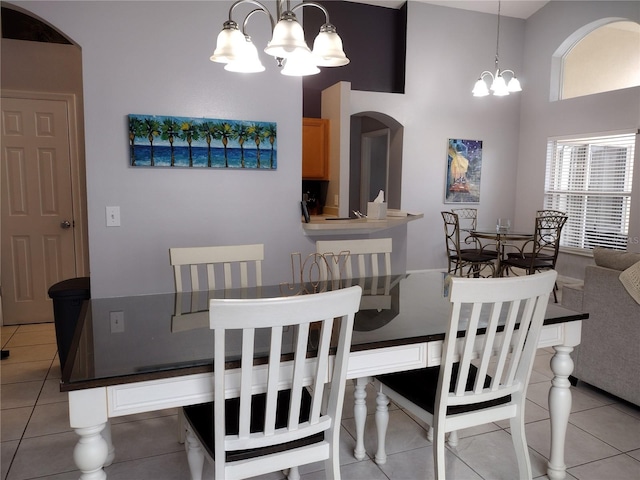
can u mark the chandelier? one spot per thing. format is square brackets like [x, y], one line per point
[499, 86]
[235, 49]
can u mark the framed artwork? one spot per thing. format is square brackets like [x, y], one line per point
[167, 141]
[464, 167]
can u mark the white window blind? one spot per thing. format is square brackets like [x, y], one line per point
[590, 179]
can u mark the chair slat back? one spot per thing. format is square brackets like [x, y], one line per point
[357, 258]
[226, 266]
[285, 325]
[511, 313]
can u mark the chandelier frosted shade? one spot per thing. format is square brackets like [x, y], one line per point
[327, 48]
[480, 89]
[300, 64]
[229, 45]
[248, 61]
[288, 37]
[235, 48]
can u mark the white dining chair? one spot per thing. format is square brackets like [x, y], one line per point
[357, 258]
[352, 261]
[198, 268]
[275, 418]
[478, 381]
[228, 264]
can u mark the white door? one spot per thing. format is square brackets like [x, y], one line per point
[37, 207]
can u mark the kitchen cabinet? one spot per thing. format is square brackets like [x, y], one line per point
[315, 149]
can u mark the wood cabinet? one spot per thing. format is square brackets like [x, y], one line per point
[315, 149]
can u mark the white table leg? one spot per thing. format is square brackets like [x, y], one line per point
[559, 408]
[360, 414]
[106, 434]
[90, 453]
[88, 417]
[382, 422]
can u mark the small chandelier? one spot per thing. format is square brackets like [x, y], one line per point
[235, 48]
[499, 86]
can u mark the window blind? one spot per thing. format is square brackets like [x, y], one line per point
[590, 179]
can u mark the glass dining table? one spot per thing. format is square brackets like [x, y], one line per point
[501, 238]
[142, 353]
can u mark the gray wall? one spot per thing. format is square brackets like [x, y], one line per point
[152, 58]
[545, 32]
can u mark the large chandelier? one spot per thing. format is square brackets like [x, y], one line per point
[499, 86]
[235, 48]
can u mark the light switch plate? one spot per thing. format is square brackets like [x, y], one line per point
[113, 216]
[117, 321]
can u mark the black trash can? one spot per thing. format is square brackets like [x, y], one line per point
[67, 297]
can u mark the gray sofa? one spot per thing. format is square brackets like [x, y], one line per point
[608, 356]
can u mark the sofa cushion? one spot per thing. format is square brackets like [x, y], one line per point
[615, 259]
[630, 278]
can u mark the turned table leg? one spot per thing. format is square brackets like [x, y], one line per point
[360, 414]
[90, 453]
[559, 408]
[382, 422]
[88, 417]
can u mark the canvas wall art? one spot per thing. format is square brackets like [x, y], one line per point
[464, 166]
[168, 141]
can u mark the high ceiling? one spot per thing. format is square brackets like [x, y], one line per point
[509, 8]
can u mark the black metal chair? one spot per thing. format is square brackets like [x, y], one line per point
[467, 262]
[540, 253]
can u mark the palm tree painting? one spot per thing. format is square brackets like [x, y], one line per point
[170, 141]
[170, 131]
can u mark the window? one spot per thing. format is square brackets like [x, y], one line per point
[606, 59]
[590, 179]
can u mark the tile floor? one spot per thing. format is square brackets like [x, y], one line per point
[603, 438]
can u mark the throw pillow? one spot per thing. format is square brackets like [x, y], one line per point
[630, 278]
[615, 259]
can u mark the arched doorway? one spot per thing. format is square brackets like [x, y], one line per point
[375, 160]
[44, 225]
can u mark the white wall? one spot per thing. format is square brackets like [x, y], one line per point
[446, 51]
[152, 58]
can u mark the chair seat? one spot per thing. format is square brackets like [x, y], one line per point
[526, 263]
[476, 251]
[419, 386]
[529, 255]
[473, 256]
[201, 419]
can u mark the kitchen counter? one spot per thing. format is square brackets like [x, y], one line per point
[321, 225]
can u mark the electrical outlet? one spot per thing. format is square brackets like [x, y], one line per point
[113, 216]
[117, 321]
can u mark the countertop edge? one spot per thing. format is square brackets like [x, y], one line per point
[322, 226]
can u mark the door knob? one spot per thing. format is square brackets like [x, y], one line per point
[65, 224]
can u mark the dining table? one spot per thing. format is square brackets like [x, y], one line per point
[142, 353]
[500, 238]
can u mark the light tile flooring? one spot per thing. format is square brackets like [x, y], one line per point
[603, 438]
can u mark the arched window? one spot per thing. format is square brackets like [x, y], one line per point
[600, 57]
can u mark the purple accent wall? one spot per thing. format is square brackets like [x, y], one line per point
[374, 39]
